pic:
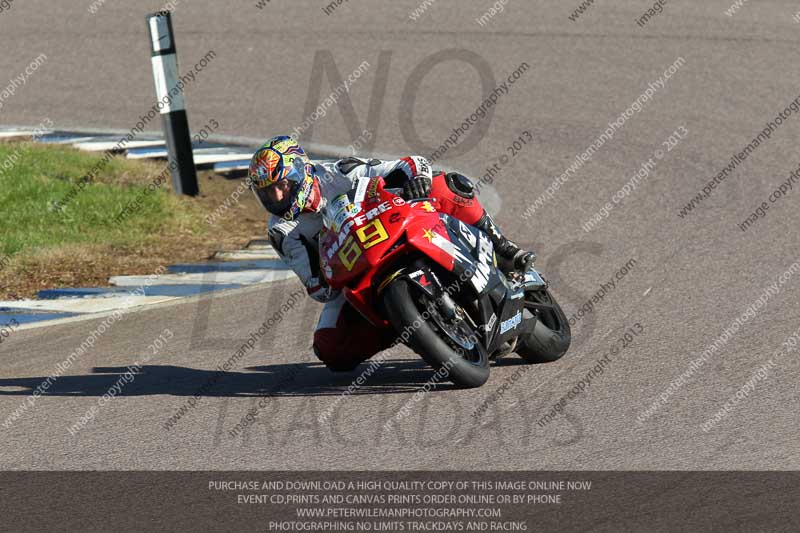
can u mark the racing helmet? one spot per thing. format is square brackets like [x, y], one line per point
[282, 159]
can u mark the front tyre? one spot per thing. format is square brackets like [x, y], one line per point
[550, 337]
[440, 342]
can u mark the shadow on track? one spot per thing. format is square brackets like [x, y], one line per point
[298, 379]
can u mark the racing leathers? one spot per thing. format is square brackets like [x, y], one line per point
[343, 338]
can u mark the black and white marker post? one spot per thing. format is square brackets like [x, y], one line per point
[171, 104]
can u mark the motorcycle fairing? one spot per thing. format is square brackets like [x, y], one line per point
[360, 260]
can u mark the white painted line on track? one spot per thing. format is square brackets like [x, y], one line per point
[201, 158]
[71, 139]
[244, 255]
[244, 277]
[85, 305]
[102, 146]
[11, 133]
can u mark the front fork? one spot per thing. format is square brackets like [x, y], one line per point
[423, 277]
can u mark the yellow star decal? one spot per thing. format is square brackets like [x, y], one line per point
[428, 207]
[429, 234]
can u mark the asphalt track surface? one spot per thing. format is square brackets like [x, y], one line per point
[693, 276]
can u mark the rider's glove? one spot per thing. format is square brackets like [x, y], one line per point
[319, 290]
[418, 187]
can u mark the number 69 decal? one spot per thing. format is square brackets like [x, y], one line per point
[349, 253]
[369, 235]
[372, 234]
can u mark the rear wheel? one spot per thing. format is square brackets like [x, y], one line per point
[443, 339]
[550, 337]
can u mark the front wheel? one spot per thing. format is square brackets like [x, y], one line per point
[442, 342]
[550, 337]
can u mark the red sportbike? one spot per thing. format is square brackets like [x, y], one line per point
[434, 279]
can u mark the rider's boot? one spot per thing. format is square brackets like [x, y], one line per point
[510, 256]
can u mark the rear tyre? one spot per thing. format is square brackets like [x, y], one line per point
[441, 343]
[550, 337]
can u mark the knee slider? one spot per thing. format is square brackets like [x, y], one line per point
[460, 184]
[325, 345]
[333, 357]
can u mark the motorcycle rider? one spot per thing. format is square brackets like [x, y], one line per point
[296, 191]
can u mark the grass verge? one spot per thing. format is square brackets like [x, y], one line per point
[124, 221]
